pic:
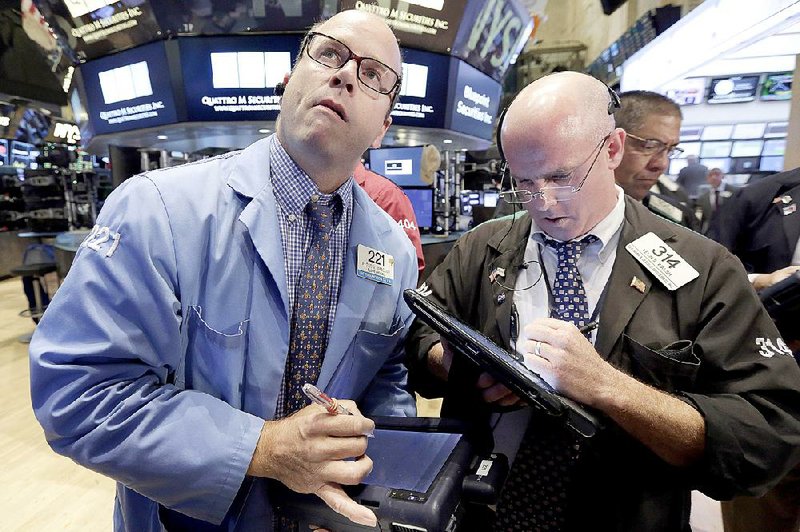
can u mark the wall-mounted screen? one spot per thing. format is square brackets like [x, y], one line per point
[749, 131]
[747, 148]
[423, 94]
[774, 147]
[777, 86]
[3, 152]
[422, 203]
[476, 97]
[776, 130]
[233, 78]
[688, 91]
[129, 90]
[8, 119]
[715, 149]
[690, 148]
[676, 165]
[722, 164]
[22, 154]
[743, 165]
[691, 133]
[733, 89]
[490, 198]
[771, 164]
[717, 132]
[399, 164]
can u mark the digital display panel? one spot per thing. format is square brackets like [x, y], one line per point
[490, 199]
[476, 97]
[3, 152]
[777, 87]
[749, 131]
[691, 133]
[8, 119]
[492, 34]
[676, 165]
[129, 90]
[747, 148]
[233, 78]
[771, 164]
[422, 203]
[688, 91]
[423, 93]
[715, 149]
[402, 165]
[22, 154]
[776, 130]
[733, 89]
[690, 148]
[717, 132]
[774, 147]
[722, 164]
[743, 165]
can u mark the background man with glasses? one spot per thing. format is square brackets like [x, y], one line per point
[173, 356]
[686, 369]
[653, 124]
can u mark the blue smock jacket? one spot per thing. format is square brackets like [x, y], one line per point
[162, 353]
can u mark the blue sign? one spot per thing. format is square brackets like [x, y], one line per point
[475, 98]
[233, 78]
[423, 95]
[129, 90]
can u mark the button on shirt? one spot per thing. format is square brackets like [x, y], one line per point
[293, 191]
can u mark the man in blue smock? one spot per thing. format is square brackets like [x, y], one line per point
[169, 358]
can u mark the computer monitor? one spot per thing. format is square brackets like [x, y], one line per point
[776, 130]
[422, 203]
[774, 147]
[747, 148]
[749, 131]
[676, 165]
[691, 132]
[402, 165]
[771, 164]
[743, 165]
[490, 198]
[690, 148]
[717, 132]
[723, 164]
[715, 149]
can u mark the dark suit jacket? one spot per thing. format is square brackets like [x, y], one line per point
[717, 367]
[709, 217]
[754, 228]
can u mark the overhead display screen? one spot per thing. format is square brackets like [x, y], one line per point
[97, 27]
[215, 17]
[733, 89]
[475, 100]
[129, 90]
[400, 164]
[233, 78]
[423, 94]
[777, 87]
[426, 24]
[688, 91]
[492, 34]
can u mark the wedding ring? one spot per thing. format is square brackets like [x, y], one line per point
[537, 348]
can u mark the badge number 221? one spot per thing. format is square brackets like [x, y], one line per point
[376, 257]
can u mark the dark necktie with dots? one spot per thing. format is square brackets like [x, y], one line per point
[309, 330]
[535, 497]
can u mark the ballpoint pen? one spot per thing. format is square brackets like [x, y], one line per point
[588, 327]
[321, 398]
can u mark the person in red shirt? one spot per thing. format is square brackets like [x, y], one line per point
[393, 200]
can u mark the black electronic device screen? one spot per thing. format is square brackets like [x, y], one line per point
[422, 203]
[504, 366]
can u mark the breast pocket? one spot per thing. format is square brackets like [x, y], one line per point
[670, 367]
[214, 357]
[368, 352]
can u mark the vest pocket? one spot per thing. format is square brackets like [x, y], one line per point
[672, 367]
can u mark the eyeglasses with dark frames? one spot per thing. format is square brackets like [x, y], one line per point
[333, 53]
[651, 147]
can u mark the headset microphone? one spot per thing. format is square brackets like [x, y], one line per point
[279, 89]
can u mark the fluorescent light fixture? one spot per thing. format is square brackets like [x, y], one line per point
[162, 137]
[264, 130]
[447, 141]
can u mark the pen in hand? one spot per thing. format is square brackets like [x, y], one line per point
[321, 398]
[588, 327]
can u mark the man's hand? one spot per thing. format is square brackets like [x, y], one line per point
[308, 450]
[766, 280]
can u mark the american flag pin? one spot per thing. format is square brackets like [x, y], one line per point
[638, 284]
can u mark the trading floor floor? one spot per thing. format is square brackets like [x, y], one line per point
[40, 490]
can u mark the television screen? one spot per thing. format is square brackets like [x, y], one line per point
[22, 154]
[687, 91]
[741, 165]
[691, 133]
[475, 100]
[776, 130]
[749, 131]
[722, 164]
[402, 165]
[690, 148]
[129, 90]
[747, 148]
[676, 165]
[777, 87]
[422, 202]
[3, 152]
[423, 94]
[490, 198]
[715, 149]
[774, 147]
[733, 89]
[717, 132]
[233, 78]
[771, 164]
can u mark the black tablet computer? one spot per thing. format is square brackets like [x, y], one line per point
[502, 365]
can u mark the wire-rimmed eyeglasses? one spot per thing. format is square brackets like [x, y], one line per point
[333, 53]
[651, 147]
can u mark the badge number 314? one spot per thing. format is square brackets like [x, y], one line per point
[662, 261]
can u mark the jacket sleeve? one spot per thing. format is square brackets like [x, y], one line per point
[399, 207]
[749, 392]
[101, 361]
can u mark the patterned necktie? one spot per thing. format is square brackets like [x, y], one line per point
[309, 331]
[535, 496]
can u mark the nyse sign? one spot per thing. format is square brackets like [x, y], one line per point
[496, 36]
[68, 132]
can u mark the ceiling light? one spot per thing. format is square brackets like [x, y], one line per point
[162, 137]
[447, 141]
[264, 130]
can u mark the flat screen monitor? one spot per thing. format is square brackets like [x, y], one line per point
[777, 86]
[723, 164]
[747, 148]
[776, 130]
[490, 199]
[690, 148]
[716, 149]
[22, 154]
[3, 152]
[733, 89]
[717, 132]
[691, 133]
[742, 165]
[687, 91]
[749, 131]
[676, 165]
[402, 165]
[422, 202]
[774, 147]
[423, 93]
[771, 164]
